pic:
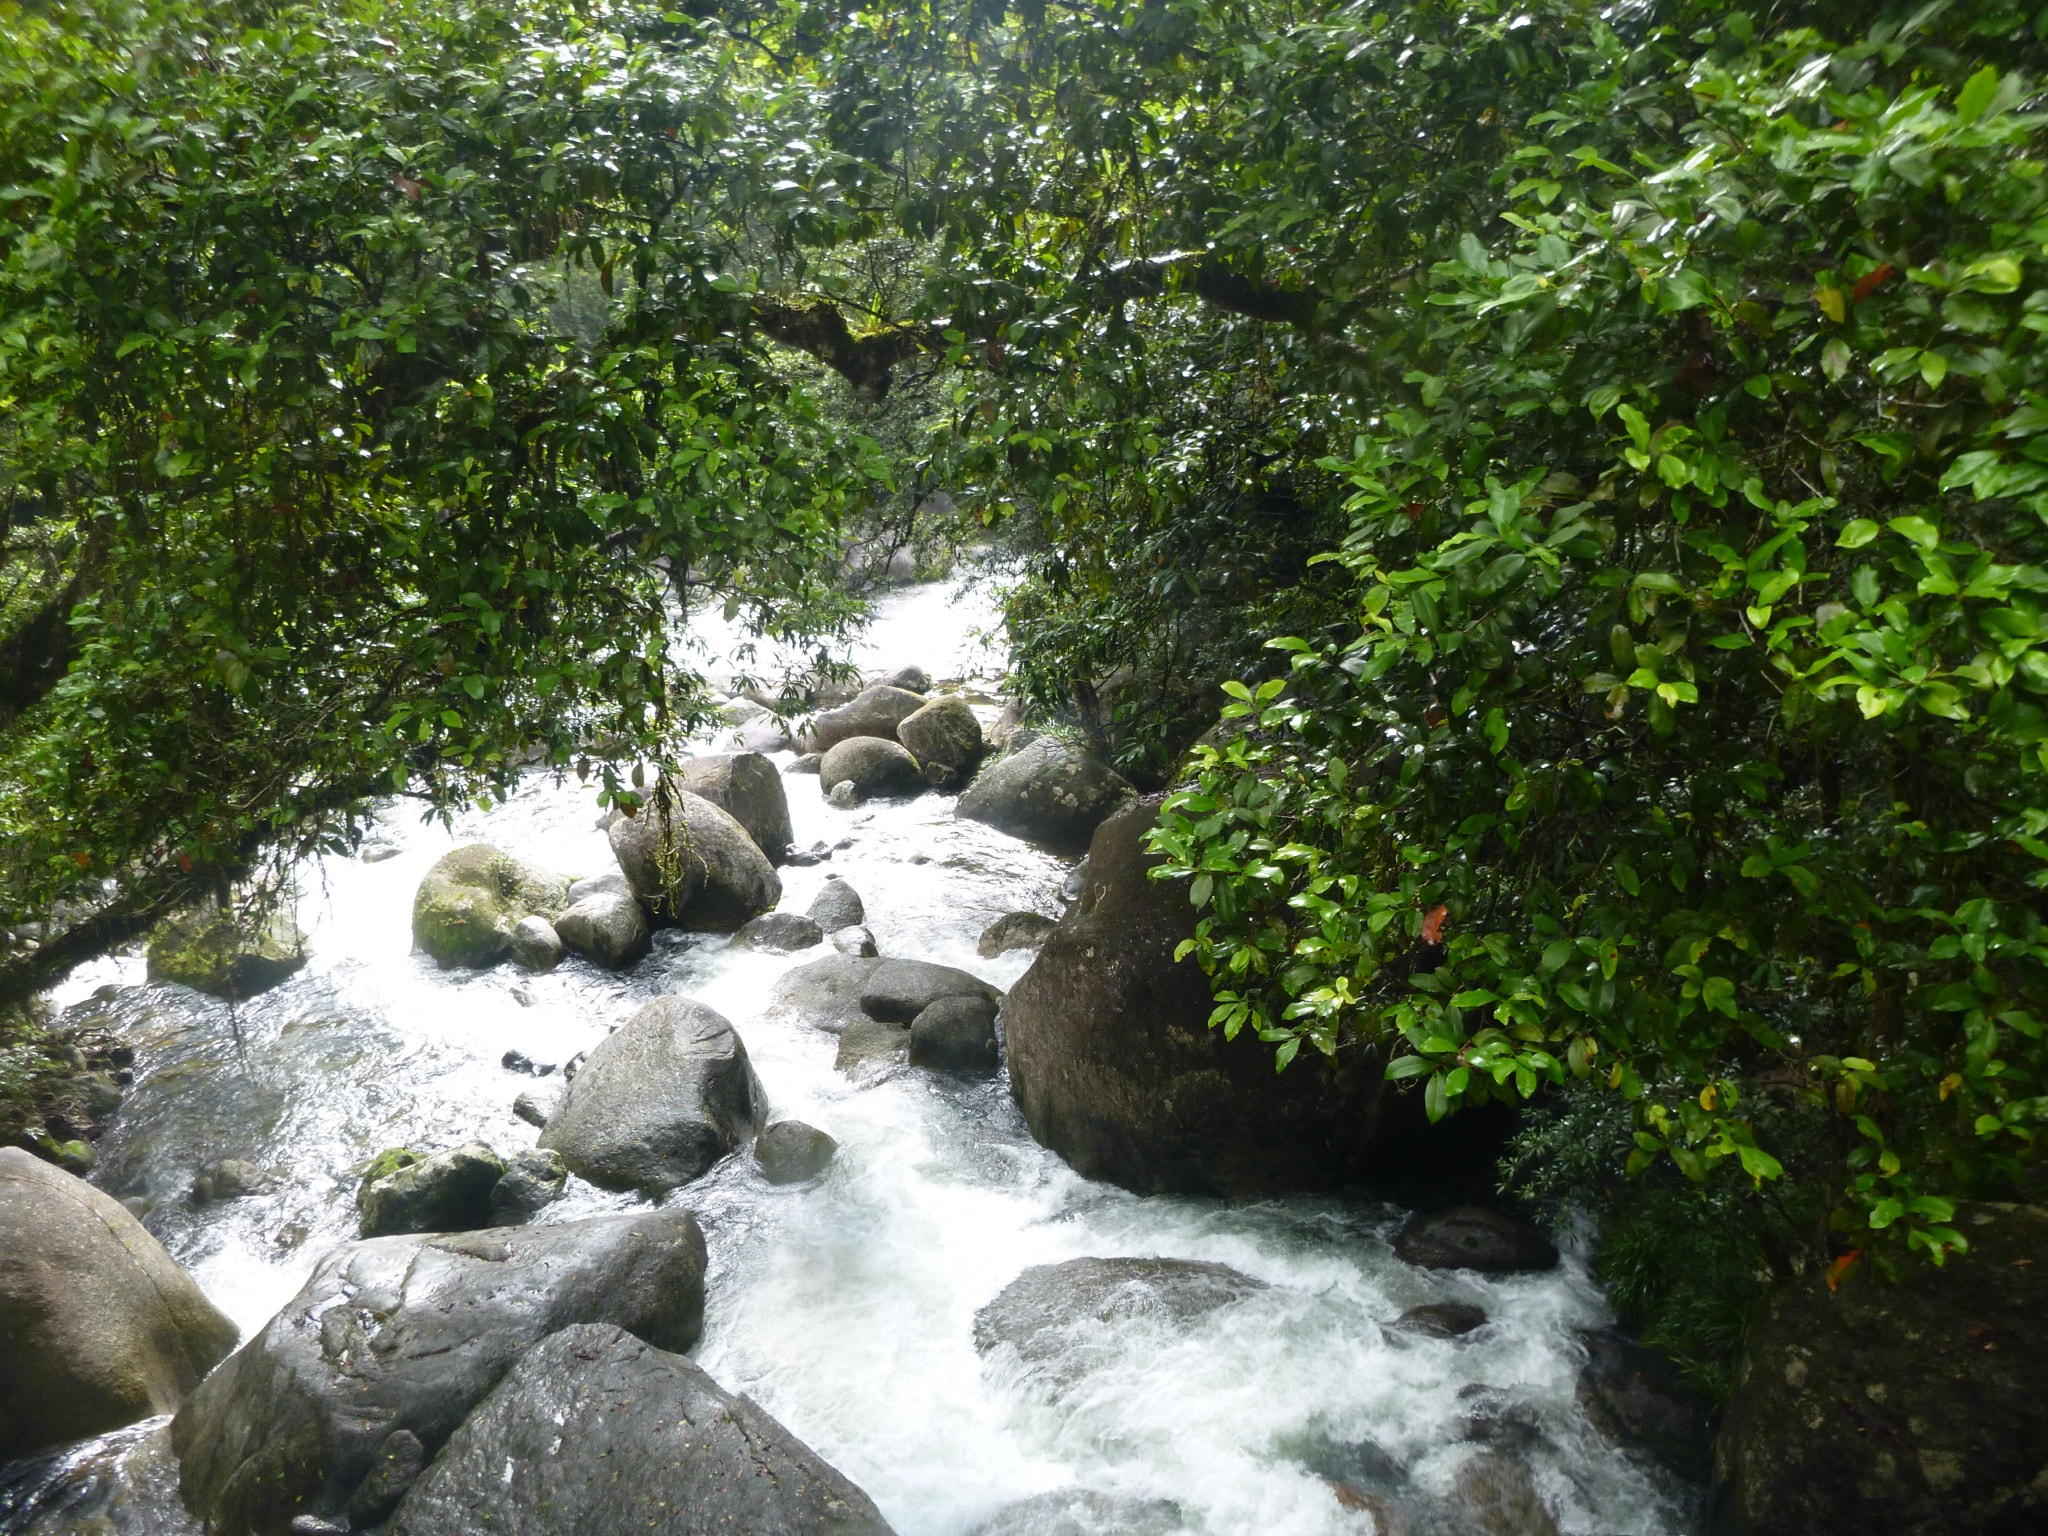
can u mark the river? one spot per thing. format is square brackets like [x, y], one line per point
[846, 1307]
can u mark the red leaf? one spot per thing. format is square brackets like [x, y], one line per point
[1869, 281]
[1433, 924]
[185, 862]
[82, 860]
[1842, 1268]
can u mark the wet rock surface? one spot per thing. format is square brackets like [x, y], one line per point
[1014, 930]
[1084, 1512]
[790, 1152]
[702, 872]
[748, 788]
[1475, 1237]
[98, 1326]
[956, 1035]
[606, 928]
[1908, 1407]
[408, 1334]
[227, 954]
[944, 735]
[825, 993]
[837, 905]
[1050, 792]
[1441, 1319]
[230, 1178]
[1637, 1398]
[447, 1192]
[899, 990]
[870, 1047]
[535, 944]
[597, 1431]
[779, 933]
[661, 1099]
[532, 1181]
[873, 712]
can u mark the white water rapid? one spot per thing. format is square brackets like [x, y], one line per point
[846, 1307]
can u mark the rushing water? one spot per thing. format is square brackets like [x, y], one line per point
[846, 1306]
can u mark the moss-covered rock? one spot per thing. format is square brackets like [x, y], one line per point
[227, 954]
[473, 898]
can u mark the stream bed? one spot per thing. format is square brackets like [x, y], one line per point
[846, 1306]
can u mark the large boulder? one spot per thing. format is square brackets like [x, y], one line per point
[696, 866]
[98, 1326]
[445, 1192]
[351, 1389]
[1474, 1237]
[748, 788]
[1054, 1315]
[1051, 792]
[824, 994]
[660, 1100]
[872, 766]
[1911, 1407]
[873, 712]
[607, 928]
[1116, 1068]
[472, 899]
[944, 735]
[899, 990]
[598, 1431]
[228, 954]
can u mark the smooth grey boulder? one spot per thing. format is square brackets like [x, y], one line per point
[99, 1327]
[1441, 1319]
[857, 940]
[468, 904]
[872, 766]
[781, 933]
[873, 712]
[532, 1181]
[790, 1152]
[805, 762]
[837, 905]
[447, 1192]
[230, 1178]
[606, 928]
[825, 993]
[1640, 1400]
[1050, 792]
[899, 990]
[956, 1035]
[911, 679]
[597, 1433]
[610, 882]
[1064, 1319]
[845, 795]
[1014, 930]
[944, 734]
[661, 1099]
[536, 1104]
[535, 943]
[747, 787]
[1911, 1406]
[697, 867]
[1474, 1237]
[406, 1335]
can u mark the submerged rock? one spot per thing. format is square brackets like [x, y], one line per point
[606, 928]
[899, 990]
[697, 867]
[229, 1178]
[98, 1326]
[1014, 930]
[472, 899]
[1638, 1399]
[869, 1048]
[1441, 1319]
[1050, 792]
[873, 712]
[956, 1035]
[597, 1431]
[746, 786]
[1474, 1237]
[781, 933]
[825, 993]
[1912, 1407]
[790, 1152]
[872, 766]
[660, 1100]
[837, 905]
[227, 954]
[1494, 1495]
[447, 1192]
[405, 1335]
[1084, 1512]
[1062, 1319]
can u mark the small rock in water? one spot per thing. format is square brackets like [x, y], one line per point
[845, 795]
[532, 1181]
[837, 905]
[1014, 930]
[780, 933]
[806, 762]
[536, 944]
[377, 853]
[846, 842]
[522, 997]
[608, 928]
[519, 1061]
[231, 1178]
[1474, 1237]
[609, 884]
[1441, 1319]
[1495, 1496]
[856, 940]
[447, 1192]
[1497, 1418]
[910, 679]
[957, 1035]
[790, 1152]
[534, 1108]
[805, 858]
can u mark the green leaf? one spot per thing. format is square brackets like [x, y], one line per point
[1977, 94]
[1857, 533]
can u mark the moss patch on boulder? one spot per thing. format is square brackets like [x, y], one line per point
[473, 898]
